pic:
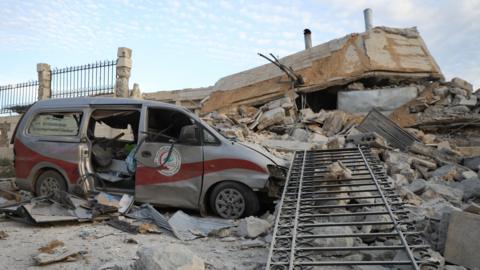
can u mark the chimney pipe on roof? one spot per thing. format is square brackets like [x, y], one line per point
[367, 15]
[307, 34]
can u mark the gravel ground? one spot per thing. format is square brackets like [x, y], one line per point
[106, 247]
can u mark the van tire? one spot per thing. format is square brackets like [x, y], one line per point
[49, 181]
[226, 193]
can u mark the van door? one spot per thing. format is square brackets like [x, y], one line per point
[169, 159]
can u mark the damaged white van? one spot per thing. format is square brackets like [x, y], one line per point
[161, 153]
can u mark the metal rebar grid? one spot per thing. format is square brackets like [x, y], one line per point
[324, 222]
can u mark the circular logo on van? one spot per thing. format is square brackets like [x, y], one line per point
[172, 165]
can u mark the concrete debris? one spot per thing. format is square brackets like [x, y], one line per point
[167, 256]
[334, 242]
[461, 246]
[424, 130]
[433, 191]
[253, 227]
[187, 227]
[55, 252]
[458, 82]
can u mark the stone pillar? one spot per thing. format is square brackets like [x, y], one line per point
[136, 93]
[124, 65]
[44, 81]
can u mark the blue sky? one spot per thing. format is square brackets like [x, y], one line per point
[181, 44]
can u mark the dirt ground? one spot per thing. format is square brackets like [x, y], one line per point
[107, 247]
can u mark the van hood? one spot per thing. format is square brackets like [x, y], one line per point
[264, 151]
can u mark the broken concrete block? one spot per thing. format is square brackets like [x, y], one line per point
[441, 91]
[338, 171]
[334, 123]
[409, 196]
[252, 227]
[300, 135]
[459, 247]
[168, 256]
[271, 117]
[433, 191]
[370, 138]
[472, 163]
[465, 101]
[400, 180]
[437, 207]
[470, 187]
[417, 186]
[458, 91]
[469, 174]
[472, 208]
[395, 157]
[461, 83]
[457, 109]
[428, 138]
[424, 163]
[318, 139]
[336, 142]
[334, 242]
[401, 168]
[447, 173]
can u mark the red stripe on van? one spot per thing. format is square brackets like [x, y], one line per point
[148, 176]
[26, 159]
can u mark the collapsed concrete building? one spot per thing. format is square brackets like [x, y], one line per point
[312, 102]
[379, 56]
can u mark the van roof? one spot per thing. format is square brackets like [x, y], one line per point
[86, 101]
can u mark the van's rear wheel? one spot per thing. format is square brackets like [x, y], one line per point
[50, 182]
[233, 200]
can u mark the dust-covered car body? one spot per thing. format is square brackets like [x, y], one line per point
[162, 153]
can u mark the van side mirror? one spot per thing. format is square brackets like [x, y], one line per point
[188, 134]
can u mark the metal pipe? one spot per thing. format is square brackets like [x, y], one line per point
[307, 35]
[367, 15]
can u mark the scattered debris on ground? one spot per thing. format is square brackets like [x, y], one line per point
[422, 129]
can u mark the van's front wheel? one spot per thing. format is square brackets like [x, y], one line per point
[49, 182]
[233, 200]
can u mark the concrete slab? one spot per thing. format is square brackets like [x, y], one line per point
[463, 245]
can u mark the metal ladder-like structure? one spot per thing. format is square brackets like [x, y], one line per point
[366, 203]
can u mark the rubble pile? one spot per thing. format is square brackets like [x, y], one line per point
[433, 177]
[441, 105]
[280, 127]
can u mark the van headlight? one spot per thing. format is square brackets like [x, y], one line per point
[277, 172]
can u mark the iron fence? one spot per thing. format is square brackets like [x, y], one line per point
[86, 80]
[16, 97]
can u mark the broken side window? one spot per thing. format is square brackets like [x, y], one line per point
[111, 124]
[164, 124]
[55, 124]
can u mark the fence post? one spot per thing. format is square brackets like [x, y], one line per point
[44, 81]
[124, 65]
